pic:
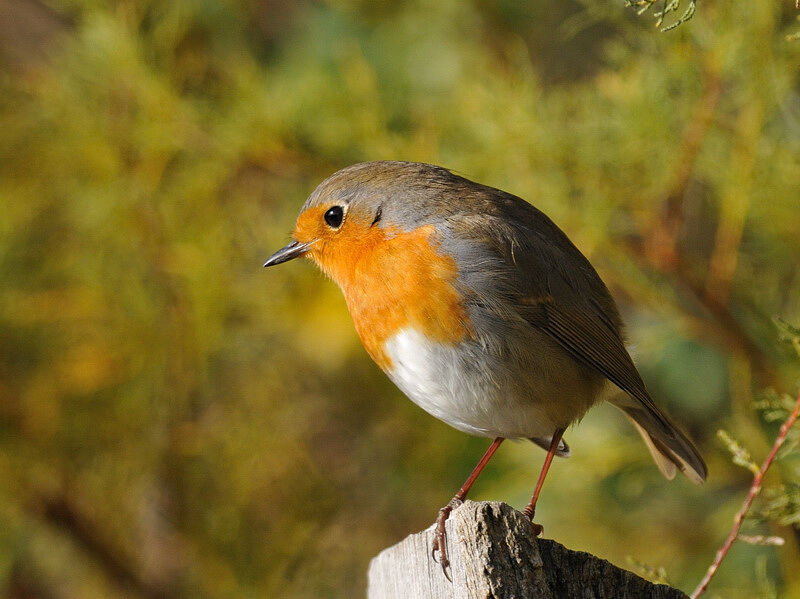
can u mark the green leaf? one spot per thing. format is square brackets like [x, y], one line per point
[741, 456]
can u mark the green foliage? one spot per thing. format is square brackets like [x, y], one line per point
[781, 504]
[667, 7]
[788, 334]
[741, 457]
[176, 422]
[652, 573]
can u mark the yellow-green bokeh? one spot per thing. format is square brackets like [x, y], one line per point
[177, 422]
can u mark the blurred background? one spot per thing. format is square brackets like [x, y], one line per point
[177, 422]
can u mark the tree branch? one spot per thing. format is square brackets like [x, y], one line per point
[751, 495]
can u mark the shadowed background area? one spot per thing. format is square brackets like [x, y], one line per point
[177, 422]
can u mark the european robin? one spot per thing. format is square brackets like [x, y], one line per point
[480, 309]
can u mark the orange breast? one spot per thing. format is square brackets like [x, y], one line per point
[393, 279]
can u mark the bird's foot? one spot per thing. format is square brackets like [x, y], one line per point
[440, 535]
[538, 529]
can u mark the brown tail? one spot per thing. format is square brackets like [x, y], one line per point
[544, 443]
[670, 448]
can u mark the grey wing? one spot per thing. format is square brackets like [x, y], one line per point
[556, 290]
[559, 292]
[517, 264]
[583, 331]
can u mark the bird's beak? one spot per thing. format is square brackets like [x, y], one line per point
[293, 250]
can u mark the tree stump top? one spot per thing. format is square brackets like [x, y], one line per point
[495, 555]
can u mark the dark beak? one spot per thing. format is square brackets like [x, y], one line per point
[293, 250]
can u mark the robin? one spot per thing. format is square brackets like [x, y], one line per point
[480, 309]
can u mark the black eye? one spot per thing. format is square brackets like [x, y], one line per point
[334, 217]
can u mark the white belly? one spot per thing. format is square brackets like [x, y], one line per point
[463, 387]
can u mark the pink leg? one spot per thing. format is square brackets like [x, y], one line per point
[439, 534]
[530, 509]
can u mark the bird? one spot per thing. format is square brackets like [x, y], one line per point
[481, 310]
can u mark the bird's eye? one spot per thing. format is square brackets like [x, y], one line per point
[334, 217]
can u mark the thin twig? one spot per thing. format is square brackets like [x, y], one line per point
[661, 242]
[658, 248]
[754, 490]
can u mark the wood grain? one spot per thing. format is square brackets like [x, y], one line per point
[495, 555]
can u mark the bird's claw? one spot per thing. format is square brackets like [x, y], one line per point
[440, 535]
[538, 529]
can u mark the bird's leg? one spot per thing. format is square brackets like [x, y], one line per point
[530, 509]
[439, 535]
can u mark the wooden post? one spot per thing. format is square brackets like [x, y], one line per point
[494, 555]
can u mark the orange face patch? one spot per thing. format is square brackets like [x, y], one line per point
[391, 279]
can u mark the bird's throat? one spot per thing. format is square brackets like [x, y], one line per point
[393, 280]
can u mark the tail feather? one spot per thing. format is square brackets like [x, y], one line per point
[665, 464]
[544, 442]
[669, 447]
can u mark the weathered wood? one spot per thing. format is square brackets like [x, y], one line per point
[495, 555]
